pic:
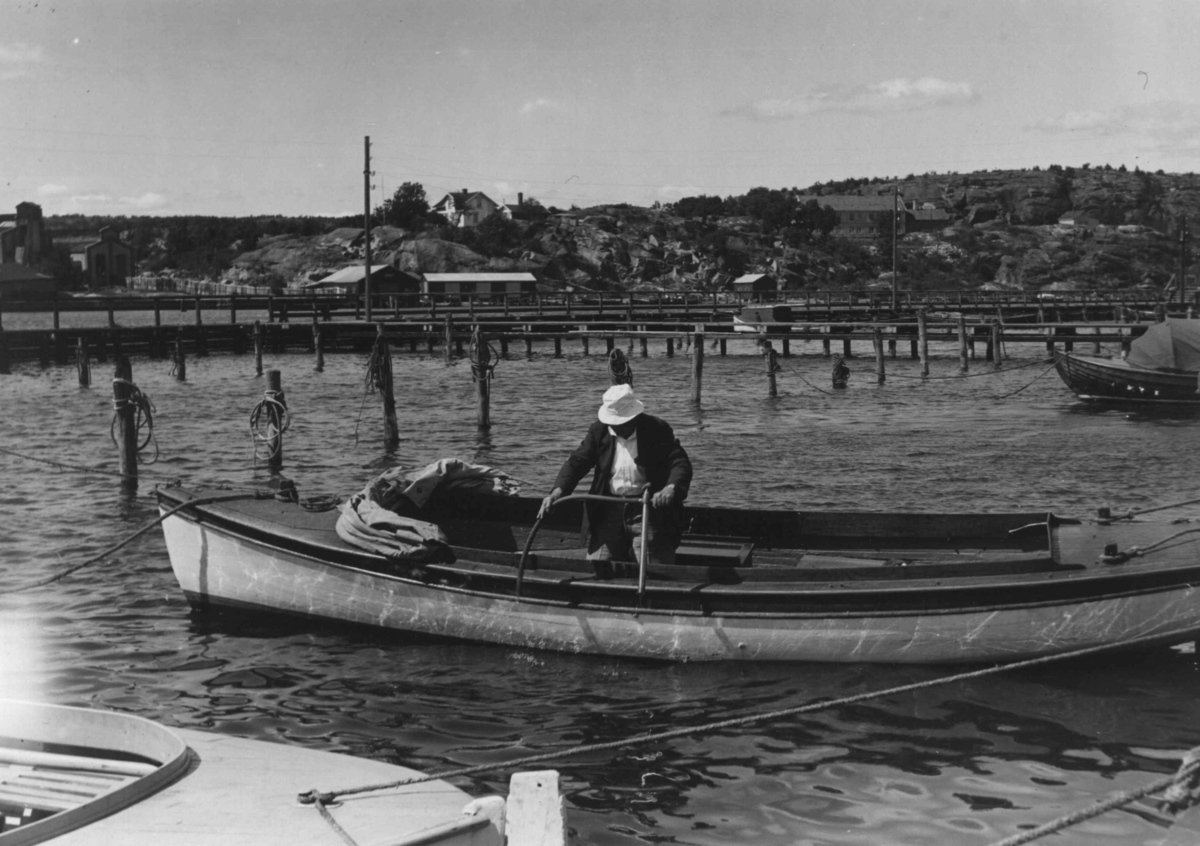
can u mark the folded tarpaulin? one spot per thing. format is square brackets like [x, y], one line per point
[372, 520]
[1173, 344]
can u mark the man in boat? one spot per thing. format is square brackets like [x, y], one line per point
[629, 450]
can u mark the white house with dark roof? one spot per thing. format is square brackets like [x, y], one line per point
[466, 208]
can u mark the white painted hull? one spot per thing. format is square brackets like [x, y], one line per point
[221, 568]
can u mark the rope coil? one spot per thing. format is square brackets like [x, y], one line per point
[143, 416]
[618, 367]
[269, 420]
[483, 357]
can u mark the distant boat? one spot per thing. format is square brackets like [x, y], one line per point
[756, 585]
[80, 777]
[759, 319]
[1163, 366]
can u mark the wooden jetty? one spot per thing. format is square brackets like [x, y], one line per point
[326, 324]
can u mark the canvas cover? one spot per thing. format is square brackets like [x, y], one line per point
[1173, 344]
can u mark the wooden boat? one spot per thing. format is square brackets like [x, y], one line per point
[747, 584]
[81, 776]
[1162, 366]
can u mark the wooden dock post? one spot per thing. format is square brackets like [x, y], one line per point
[697, 362]
[82, 363]
[5, 367]
[481, 373]
[125, 422]
[233, 309]
[179, 368]
[201, 340]
[609, 344]
[584, 340]
[258, 348]
[448, 336]
[503, 346]
[787, 347]
[276, 407]
[644, 343]
[772, 369]
[318, 344]
[997, 351]
[619, 371]
[382, 380]
[60, 347]
[670, 347]
[825, 351]
[880, 374]
[963, 367]
[528, 344]
[721, 346]
[558, 346]
[923, 337]
[846, 352]
[892, 347]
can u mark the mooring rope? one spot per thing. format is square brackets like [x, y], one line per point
[618, 368]
[271, 413]
[313, 795]
[143, 417]
[110, 550]
[62, 465]
[483, 358]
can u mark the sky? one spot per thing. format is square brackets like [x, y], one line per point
[212, 107]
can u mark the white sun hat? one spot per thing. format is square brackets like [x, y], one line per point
[620, 405]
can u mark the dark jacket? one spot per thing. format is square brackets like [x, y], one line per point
[660, 456]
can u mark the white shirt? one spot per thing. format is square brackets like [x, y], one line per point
[627, 477]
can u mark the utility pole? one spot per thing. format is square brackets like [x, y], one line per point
[1183, 260]
[367, 222]
[895, 236]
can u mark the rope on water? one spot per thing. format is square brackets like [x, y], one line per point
[1178, 785]
[143, 418]
[1026, 385]
[77, 567]
[1146, 640]
[269, 420]
[61, 465]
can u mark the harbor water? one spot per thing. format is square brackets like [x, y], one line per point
[966, 762]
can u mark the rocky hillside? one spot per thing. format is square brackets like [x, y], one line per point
[1002, 232]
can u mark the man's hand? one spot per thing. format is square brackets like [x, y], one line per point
[664, 497]
[549, 501]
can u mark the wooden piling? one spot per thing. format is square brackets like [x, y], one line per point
[721, 346]
[787, 348]
[880, 374]
[125, 422]
[825, 351]
[448, 336]
[179, 368]
[276, 406]
[201, 339]
[670, 347]
[82, 363]
[772, 369]
[384, 382]
[619, 371]
[481, 374]
[923, 337]
[644, 343]
[997, 349]
[528, 346]
[258, 348]
[318, 344]
[963, 367]
[698, 362]
[60, 347]
[609, 344]
[233, 309]
[557, 346]
[846, 352]
[5, 367]
[892, 347]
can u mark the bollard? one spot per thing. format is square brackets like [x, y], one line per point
[125, 422]
[482, 368]
[880, 375]
[963, 367]
[380, 378]
[772, 369]
[258, 348]
[81, 361]
[179, 362]
[923, 336]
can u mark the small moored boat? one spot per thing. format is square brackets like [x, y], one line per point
[1163, 366]
[82, 776]
[746, 585]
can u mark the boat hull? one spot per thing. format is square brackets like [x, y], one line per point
[1114, 380]
[218, 566]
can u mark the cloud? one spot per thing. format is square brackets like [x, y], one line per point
[52, 190]
[531, 106]
[678, 191]
[1162, 121]
[16, 59]
[890, 95]
[108, 204]
[145, 202]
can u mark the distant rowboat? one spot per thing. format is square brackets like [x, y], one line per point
[1162, 366]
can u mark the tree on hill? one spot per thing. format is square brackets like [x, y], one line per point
[408, 208]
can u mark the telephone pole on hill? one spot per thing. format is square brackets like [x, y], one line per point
[895, 228]
[1183, 260]
[367, 223]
